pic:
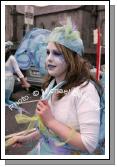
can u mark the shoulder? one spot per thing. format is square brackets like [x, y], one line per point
[88, 87]
[10, 60]
[87, 90]
[85, 87]
[12, 57]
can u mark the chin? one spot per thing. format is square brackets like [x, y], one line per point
[52, 74]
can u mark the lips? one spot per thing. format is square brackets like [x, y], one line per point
[51, 66]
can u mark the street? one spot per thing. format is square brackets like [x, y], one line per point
[11, 126]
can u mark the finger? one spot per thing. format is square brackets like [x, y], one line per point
[45, 102]
[39, 107]
[14, 145]
[38, 112]
[41, 104]
[17, 144]
[38, 102]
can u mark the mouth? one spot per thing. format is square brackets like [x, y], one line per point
[50, 66]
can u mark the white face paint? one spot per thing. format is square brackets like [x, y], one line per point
[55, 62]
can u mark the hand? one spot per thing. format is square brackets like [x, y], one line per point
[44, 111]
[26, 85]
[18, 141]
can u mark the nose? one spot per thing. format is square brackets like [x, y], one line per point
[49, 57]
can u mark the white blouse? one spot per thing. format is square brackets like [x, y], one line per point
[80, 109]
[11, 66]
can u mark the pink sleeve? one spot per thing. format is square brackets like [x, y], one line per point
[16, 67]
[88, 113]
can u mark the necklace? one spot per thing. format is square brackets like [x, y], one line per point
[50, 90]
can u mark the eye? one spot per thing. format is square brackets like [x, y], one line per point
[56, 53]
[48, 52]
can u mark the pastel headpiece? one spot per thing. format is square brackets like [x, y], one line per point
[67, 36]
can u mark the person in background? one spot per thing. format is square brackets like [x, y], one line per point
[11, 67]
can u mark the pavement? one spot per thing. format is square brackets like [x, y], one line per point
[11, 126]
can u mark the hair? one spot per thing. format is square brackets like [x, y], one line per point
[8, 53]
[78, 71]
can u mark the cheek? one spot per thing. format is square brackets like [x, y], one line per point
[61, 64]
[46, 60]
[59, 60]
[64, 66]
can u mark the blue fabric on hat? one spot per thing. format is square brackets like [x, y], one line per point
[67, 36]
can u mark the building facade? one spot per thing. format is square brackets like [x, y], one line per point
[85, 17]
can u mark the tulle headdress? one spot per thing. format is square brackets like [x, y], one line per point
[68, 36]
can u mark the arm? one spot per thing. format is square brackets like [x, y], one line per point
[18, 72]
[88, 113]
[31, 136]
[23, 139]
[64, 132]
[16, 67]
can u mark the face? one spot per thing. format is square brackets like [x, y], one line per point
[55, 61]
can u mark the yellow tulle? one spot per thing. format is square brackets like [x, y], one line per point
[21, 118]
